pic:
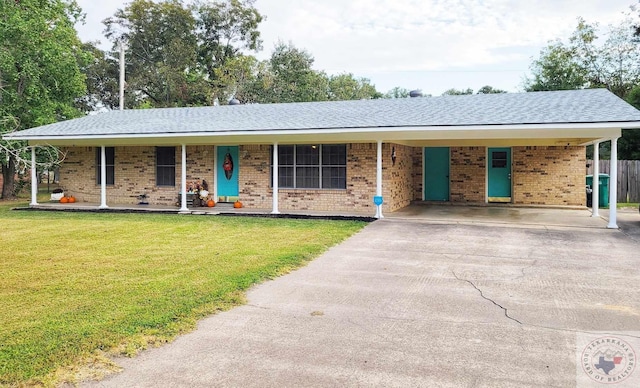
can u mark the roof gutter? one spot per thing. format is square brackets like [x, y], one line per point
[333, 131]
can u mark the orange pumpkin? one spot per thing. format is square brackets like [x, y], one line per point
[72, 199]
[237, 204]
[211, 203]
[64, 200]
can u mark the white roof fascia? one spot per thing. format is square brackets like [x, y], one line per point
[515, 131]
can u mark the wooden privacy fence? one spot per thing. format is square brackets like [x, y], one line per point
[628, 178]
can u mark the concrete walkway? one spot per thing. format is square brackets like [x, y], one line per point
[411, 302]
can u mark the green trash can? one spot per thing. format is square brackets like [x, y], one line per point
[603, 189]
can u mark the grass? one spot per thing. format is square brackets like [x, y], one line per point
[625, 205]
[74, 285]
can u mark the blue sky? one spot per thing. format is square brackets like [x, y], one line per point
[431, 45]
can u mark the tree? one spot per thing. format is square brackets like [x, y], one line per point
[590, 61]
[289, 76]
[161, 41]
[174, 51]
[40, 76]
[456, 92]
[490, 90]
[397, 92]
[587, 61]
[223, 29]
[347, 87]
[556, 69]
[102, 74]
[629, 144]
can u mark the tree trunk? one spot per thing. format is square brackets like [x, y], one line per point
[8, 176]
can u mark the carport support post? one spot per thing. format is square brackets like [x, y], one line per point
[595, 193]
[379, 179]
[183, 181]
[34, 178]
[103, 178]
[275, 179]
[613, 185]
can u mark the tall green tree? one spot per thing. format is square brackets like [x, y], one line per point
[587, 60]
[556, 69]
[40, 77]
[102, 77]
[629, 144]
[223, 30]
[173, 49]
[488, 89]
[457, 92]
[397, 92]
[292, 77]
[289, 76]
[161, 51]
[348, 87]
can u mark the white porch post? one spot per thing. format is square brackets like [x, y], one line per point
[34, 178]
[215, 174]
[183, 181]
[595, 194]
[275, 179]
[103, 178]
[613, 186]
[379, 179]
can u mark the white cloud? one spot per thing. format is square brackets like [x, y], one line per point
[442, 43]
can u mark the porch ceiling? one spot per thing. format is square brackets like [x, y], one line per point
[530, 134]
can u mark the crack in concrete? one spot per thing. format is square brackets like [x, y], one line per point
[560, 329]
[506, 312]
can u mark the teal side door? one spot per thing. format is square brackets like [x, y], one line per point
[228, 166]
[499, 175]
[436, 173]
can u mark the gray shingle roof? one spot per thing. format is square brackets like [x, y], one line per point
[559, 107]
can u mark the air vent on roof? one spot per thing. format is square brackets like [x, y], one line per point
[234, 101]
[415, 93]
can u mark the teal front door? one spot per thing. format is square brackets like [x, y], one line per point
[227, 170]
[436, 173]
[499, 175]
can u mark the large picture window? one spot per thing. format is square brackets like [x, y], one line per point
[312, 166]
[110, 153]
[165, 166]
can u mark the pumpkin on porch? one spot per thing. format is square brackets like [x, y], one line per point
[64, 200]
[211, 203]
[237, 204]
[72, 199]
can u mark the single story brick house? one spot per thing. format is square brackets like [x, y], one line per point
[519, 148]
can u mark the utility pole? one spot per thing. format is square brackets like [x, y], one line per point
[121, 74]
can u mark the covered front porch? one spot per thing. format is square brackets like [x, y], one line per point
[496, 214]
[386, 179]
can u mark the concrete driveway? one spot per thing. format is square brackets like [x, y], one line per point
[411, 302]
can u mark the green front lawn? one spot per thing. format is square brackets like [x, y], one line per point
[73, 285]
